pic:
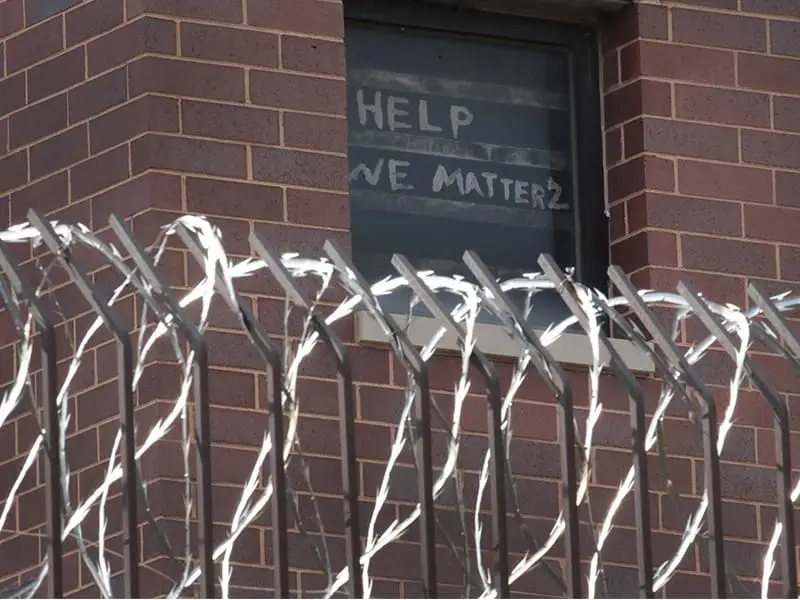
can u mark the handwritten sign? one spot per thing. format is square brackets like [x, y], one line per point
[464, 141]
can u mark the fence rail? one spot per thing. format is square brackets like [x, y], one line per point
[206, 561]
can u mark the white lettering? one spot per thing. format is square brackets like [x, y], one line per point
[460, 116]
[489, 178]
[376, 108]
[472, 184]
[506, 187]
[424, 119]
[521, 192]
[370, 176]
[554, 203]
[396, 176]
[442, 178]
[537, 192]
[394, 112]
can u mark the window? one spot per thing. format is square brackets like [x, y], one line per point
[473, 131]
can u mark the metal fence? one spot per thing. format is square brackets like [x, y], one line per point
[207, 562]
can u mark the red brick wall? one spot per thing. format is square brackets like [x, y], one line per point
[236, 109]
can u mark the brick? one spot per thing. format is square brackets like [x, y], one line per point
[34, 44]
[772, 7]
[241, 46]
[672, 61]
[640, 20]
[682, 138]
[300, 16]
[47, 195]
[324, 209]
[148, 190]
[38, 120]
[610, 69]
[234, 199]
[97, 95]
[59, 151]
[56, 74]
[145, 35]
[101, 171]
[154, 151]
[643, 172]
[11, 17]
[714, 286]
[728, 256]
[181, 78]
[93, 19]
[613, 146]
[771, 223]
[148, 113]
[719, 29]
[769, 73]
[3, 137]
[12, 93]
[789, 259]
[684, 213]
[228, 11]
[306, 169]
[730, 107]
[785, 37]
[644, 249]
[315, 132]
[727, 182]
[787, 188]
[39, 10]
[786, 113]
[641, 97]
[307, 241]
[13, 170]
[771, 149]
[298, 92]
[312, 55]
[225, 121]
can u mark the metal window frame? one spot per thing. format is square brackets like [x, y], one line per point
[580, 42]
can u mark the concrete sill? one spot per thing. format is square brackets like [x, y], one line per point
[570, 349]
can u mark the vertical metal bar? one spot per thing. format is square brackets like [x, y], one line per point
[410, 357]
[709, 420]
[782, 432]
[99, 304]
[53, 488]
[494, 418]
[554, 376]
[566, 290]
[783, 449]
[201, 396]
[347, 416]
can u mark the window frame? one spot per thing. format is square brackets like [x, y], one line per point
[580, 43]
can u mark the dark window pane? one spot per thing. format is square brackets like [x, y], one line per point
[458, 143]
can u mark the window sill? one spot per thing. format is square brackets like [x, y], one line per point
[570, 349]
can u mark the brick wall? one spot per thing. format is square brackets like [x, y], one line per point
[235, 109]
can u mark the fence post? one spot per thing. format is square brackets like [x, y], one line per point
[782, 434]
[710, 455]
[111, 320]
[272, 357]
[494, 416]
[550, 370]
[418, 369]
[566, 290]
[196, 342]
[52, 437]
[347, 413]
